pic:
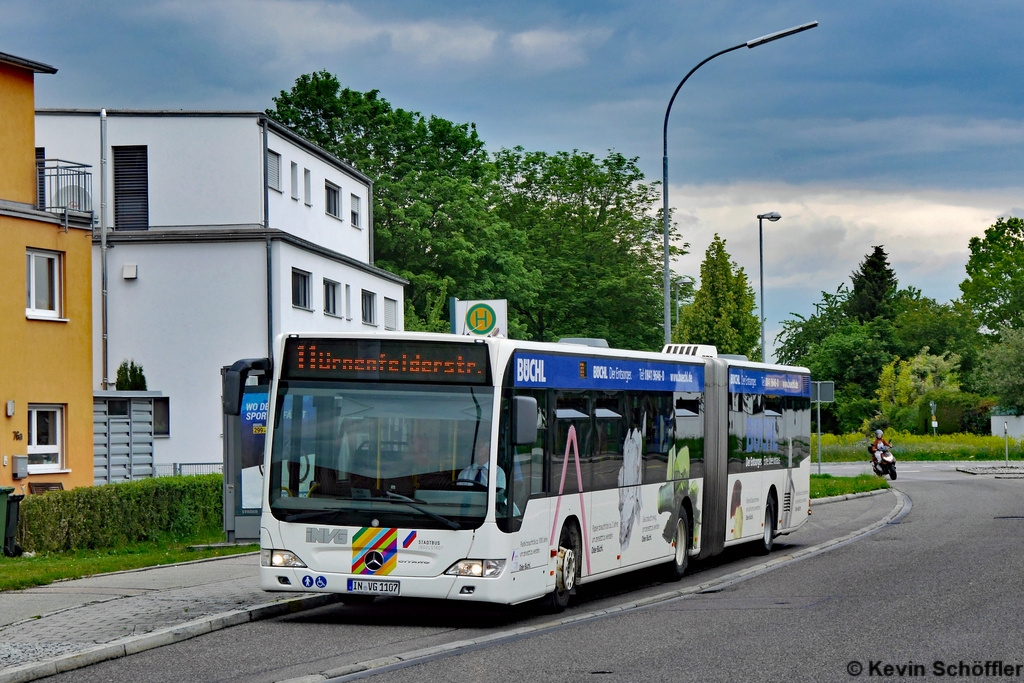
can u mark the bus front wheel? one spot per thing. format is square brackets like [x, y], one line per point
[567, 568]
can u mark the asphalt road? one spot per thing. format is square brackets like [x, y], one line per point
[943, 584]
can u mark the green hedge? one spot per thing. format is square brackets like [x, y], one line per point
[114, 515]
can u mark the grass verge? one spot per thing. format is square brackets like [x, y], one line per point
[825, 485]
[943, 447]
[44, 568]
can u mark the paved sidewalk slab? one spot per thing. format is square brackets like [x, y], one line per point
[77, 616]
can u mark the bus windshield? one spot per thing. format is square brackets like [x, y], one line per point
[380, 454]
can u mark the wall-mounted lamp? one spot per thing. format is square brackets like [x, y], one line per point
[10, 409]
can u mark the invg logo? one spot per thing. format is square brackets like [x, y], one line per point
[321, 535]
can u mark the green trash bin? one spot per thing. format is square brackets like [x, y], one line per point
[4, 492]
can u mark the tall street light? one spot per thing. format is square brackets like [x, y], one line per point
[772, 216]
[664, 161]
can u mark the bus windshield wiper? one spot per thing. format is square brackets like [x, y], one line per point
[330, 512]
[399, 498]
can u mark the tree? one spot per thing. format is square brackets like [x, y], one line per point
[853, 357]
[130, 377]
[800, 334]
[434, 188]
[591, 241]
[722, 312]
[874, 288]
[994, 288]
[950, 328]
[1000, 367]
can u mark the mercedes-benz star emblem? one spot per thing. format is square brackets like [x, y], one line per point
[374, 560]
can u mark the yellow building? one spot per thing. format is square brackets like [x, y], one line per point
[46, 402]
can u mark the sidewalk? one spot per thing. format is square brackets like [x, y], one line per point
[156, 605]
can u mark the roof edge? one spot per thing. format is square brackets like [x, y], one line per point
[36, 67]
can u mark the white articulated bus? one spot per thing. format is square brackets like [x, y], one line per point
[504, 471]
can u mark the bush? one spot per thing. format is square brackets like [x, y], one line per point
[957, 412]
[115, 515]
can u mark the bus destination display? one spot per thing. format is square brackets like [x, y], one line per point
[388, 360]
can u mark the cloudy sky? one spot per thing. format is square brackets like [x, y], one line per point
[893, 123]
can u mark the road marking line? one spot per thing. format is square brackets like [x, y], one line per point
[373, 667]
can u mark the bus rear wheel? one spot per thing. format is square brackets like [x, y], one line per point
[764, 546]
[681, 560]
[567, 568]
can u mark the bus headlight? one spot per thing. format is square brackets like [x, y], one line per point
[487, 569]
[280, 558]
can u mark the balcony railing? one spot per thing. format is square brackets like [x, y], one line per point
[63, 186]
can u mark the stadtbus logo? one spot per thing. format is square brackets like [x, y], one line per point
[481, 318]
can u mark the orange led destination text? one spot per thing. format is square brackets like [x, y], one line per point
[312, 359]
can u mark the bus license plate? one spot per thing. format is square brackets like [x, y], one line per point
[373, 587]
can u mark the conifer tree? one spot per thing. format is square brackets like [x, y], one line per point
[722, 312]
[874, 288]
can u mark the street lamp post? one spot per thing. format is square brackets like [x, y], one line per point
[664, 160]
[772, 216]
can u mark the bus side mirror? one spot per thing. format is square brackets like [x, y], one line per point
[525, 419]
[233, 382]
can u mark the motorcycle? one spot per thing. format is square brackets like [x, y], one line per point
[883, 462]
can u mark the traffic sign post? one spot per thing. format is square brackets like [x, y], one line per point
[822, 392]
[935, 422]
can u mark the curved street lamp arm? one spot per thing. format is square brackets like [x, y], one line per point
[668, 109]
[664, 186]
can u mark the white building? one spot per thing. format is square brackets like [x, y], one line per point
[225, 229]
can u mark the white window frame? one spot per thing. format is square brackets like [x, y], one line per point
[308, 278]
[57, 284]
[355, 206]
[391, 304]
[307, 181]
[331, 297]
[273, 159]
[330, 188]
[58, 448]
[295, 181]
[372, 309]
[348, 303]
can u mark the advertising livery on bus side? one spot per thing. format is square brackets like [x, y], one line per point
[409, 464]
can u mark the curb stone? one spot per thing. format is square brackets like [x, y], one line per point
[847, 496]
[360, 669]
[165, 636]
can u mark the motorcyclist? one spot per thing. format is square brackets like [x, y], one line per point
[876, 445]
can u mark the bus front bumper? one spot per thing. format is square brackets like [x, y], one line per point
[287, 579]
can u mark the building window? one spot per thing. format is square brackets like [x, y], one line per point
[369, 308]
[42, 284]
[300, 289]
[330, 297]
[390, 314]
[273, 170]
[307, 187]
[348, 302]
[355, 211]
[332, 200]
[162, 416]
[45, 437]
[295, 181]
[131, 187]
